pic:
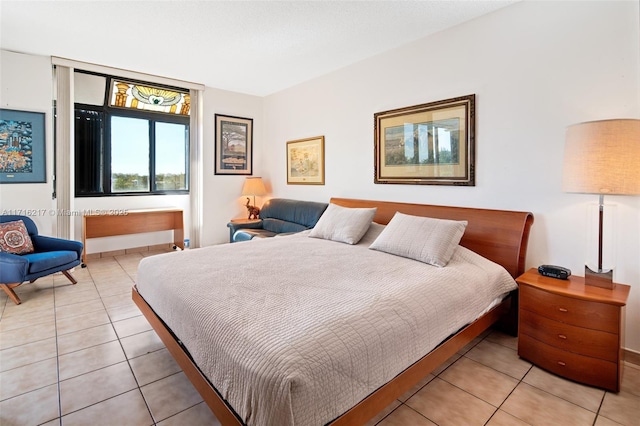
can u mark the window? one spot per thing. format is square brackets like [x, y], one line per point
[129, 154]
[170, 159]
[136, 142]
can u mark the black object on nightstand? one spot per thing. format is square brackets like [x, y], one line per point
[554, 271]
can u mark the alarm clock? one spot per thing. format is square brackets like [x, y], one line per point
[554, 271]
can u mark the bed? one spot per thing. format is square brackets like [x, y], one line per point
[346, 330]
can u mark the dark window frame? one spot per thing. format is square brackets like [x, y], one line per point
[103, 188]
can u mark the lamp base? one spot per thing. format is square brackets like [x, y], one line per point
[598, 279]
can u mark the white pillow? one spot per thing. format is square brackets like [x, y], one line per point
[343, 224]
[425, 239]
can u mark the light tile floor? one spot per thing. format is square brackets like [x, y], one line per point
[83, 354]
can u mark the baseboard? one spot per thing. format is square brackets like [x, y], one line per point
[142, 249]
[632, 357]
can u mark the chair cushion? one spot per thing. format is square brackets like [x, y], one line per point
[248, 234]
[278, 226]
[14, 238]
[51, 259]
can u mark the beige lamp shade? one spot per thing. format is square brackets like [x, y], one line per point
[603, 157]
[253, 186]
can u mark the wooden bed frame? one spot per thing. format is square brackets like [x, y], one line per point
[498, 235]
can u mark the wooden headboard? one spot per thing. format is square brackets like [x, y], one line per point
[498, 235]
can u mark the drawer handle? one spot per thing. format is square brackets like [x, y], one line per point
[561, 363]
[562, 336]
[563, 309]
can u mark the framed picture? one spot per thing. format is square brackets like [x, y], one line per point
[305, 161]
[234, 145]
[22, 147]
[428, 144]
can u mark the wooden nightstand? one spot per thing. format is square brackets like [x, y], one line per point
[571, 329]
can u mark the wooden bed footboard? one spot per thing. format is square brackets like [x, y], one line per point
[209, 394]
[498, 235]
[360, 413]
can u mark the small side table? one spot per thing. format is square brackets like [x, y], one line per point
[572, 329]
[240, 221]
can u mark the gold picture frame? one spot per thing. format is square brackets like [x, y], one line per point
[305, 161]
[427, 144]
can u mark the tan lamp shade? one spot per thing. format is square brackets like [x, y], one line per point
[253, 186]
[603, 157]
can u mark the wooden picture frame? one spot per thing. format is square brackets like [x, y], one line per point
[305, 161]
[233, 145]
[22, 147]
[427, 144]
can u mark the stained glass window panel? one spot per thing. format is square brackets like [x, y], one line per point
[138, 96]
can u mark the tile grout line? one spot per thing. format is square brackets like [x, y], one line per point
[56, 336]
[93, 281]
[469, 393]
[139, 388]
[520, 381]
[435, 377]
[58, 356]
[131, 368]
[599, 408]
[55, 326]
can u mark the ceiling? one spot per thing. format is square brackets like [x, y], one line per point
[253, 47]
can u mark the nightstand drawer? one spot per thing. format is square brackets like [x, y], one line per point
[583, 313]
[579, 340]
[584, 369]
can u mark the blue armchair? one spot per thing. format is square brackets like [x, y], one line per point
[50, 255]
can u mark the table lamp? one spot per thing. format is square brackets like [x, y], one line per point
[253, 186]
[602, 157]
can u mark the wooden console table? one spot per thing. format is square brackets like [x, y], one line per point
[132, 222]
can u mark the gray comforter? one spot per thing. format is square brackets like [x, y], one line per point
[296, 330]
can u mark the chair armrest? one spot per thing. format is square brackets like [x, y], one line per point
[42, 243]
[234, 226]
[13, 268]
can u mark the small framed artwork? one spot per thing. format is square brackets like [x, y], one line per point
[234, 145]
[428, 144]
[22, 147]
[305, 161]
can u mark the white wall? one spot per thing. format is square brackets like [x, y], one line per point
[26, 85]
[222, 200]
[535, 67]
